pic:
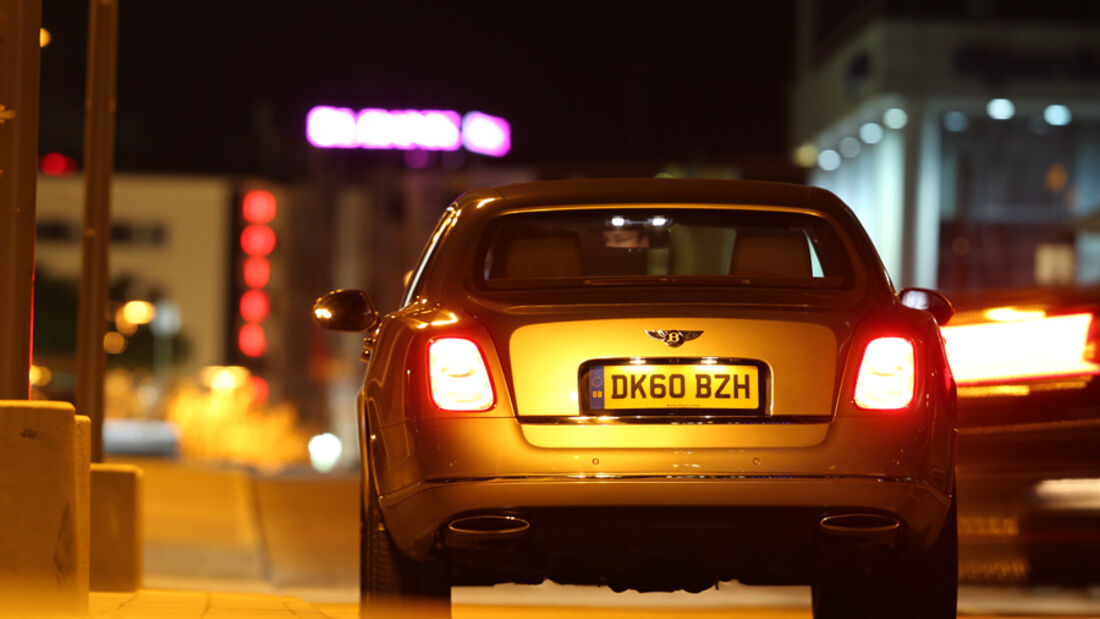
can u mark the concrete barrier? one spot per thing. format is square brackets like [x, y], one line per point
[82, 458]
[116, 548]
[39, 548]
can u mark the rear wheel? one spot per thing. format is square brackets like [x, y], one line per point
[923, 587]
[388, 580]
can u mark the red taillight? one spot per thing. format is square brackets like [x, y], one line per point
[458, 378]
[887, 374]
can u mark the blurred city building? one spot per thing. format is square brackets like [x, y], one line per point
[169, 247]
[965, 135]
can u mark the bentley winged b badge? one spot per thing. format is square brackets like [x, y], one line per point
[673, 338]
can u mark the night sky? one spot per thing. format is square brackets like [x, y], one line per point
[224, 86]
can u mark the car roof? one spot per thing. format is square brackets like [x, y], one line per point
[488, 201]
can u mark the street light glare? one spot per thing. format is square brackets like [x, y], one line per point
[849, 147]
[895, 118]
[806, 155]
[871, 133]
[114, 343]
[829, 160]
[1000, 109]
[138, 312]
[324, 452]
[1057, 115]
[44, 37]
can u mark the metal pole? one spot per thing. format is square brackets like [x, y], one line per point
[99, 147]
[20, 21]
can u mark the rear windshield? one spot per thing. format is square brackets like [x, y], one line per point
[654, 246]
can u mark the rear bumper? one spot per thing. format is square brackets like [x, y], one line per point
[430, 472]
[416, 517]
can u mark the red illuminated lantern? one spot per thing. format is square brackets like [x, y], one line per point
[260, 389]
[258, 240]
[254, 305]
[252, 340]
[56, 164]
[258, 206]
[257, 272]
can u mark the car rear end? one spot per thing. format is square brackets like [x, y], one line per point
[1029, 414]
[732, 385]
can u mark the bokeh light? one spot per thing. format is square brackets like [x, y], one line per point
[137, 312]
[114, 343]
[895, 118]
[955, 121]
[829, 160]
[324, 452]
[849, 147]
[485, 134]
[257, 272]
[1000, 109]
[252, 340]
[258, 206]
[870, 133]
[258, 240]
[805, 155]
[1057, 115]
[330, 127]
[254, 305]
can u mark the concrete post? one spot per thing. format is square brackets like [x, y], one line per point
[39, 511]
[116, 534]
[82, 458]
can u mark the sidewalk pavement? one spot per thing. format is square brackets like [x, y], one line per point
[155, 604]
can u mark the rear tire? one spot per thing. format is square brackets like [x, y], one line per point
[923, 587]
[389, 581]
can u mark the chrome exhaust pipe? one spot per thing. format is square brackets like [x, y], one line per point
[476, 531]
[862, 526]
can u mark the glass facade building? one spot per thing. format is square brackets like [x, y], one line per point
[969, 148]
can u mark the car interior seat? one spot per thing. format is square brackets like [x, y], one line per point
[546, 255]
[771, 252]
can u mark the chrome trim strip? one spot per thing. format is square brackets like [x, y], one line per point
[673, 419]
[575, 476]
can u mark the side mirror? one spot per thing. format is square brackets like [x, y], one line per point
[930, 301]
[345, 310]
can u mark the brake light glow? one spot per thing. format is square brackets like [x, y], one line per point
[459, 380]
[1040, 347]
[886, 375]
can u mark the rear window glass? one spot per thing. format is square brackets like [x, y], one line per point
[657, 246]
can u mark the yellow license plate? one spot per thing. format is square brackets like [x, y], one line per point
[713, 386]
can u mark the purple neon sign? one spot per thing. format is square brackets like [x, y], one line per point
[337, 127]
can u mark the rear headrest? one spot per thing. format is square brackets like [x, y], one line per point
[548, 255]
[770, 252]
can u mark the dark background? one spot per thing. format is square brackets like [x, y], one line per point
[225, 86]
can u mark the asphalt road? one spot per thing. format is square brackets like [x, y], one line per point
[224, 529]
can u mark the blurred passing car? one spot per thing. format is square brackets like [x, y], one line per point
[1026, 363]
[657, 385]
